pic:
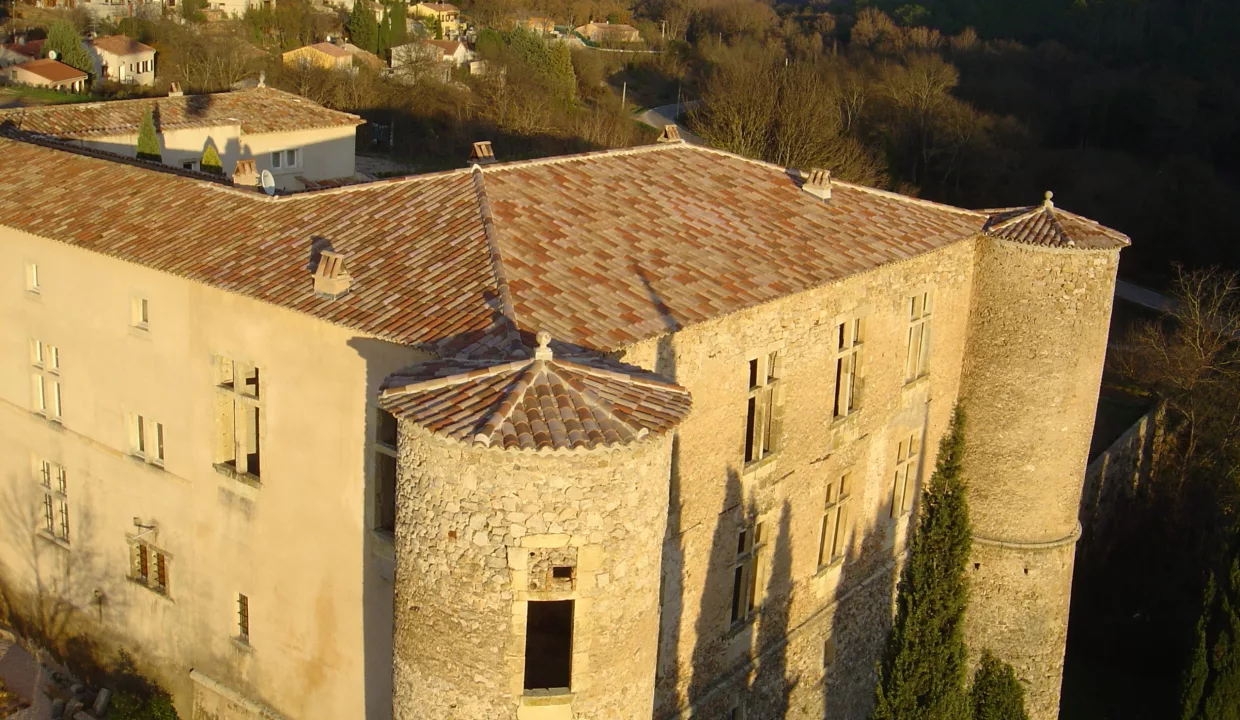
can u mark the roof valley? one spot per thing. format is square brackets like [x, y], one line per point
[508, 312]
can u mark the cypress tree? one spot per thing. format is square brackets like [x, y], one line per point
[385, 33]
[996, 693]
[922, 676]
[64, 39]
[148, 140]
[210, 162]
[400, 24]
[363, 28]
[1212, 684]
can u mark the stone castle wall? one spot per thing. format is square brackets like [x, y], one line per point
[477, 533]
[1033, 366]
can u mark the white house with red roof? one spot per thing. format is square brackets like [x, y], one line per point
[122, 59]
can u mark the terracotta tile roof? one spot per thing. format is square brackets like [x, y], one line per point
[33, 48]
[327, 49]
[120, 45]
[541, 403]
[440, 7]
[1049, 226]
[602, 249]
[53, 70]
[606, 250]
[257, 110]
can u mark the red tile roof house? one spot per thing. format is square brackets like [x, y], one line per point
[50, 74]
[121, 59]
[20, 52]
[299, 141]
[626, 386]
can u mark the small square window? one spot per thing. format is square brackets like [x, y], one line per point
[32, 277]
[140, 312]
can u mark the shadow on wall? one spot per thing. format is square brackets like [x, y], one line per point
[860, 625]
[770, 689]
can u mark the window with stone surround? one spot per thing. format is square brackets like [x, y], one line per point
[549, 645]
[917, 355]
[238, 416]
[146, 439]
[835, 521]
[746, 570]
[904, 490]
[139, 313]
[46, 397]
[32, 277]
[761, 421]
[150, 566]
[54, 484]
[848, 338]
[385, 470]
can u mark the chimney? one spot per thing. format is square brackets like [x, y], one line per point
[331, 280]
[671, 134]
[245, 174]
[482, 153]
[818, 183]
[174, 90]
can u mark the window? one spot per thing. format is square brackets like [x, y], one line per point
[290, 158]
[831, 544]
[276, 157]
[549, 645]
[761, 425]
[238, 416]
[190, 165]
[847, 365]
[140, 312]
[45, 380]
[146, 439]
[150, 566]
[32, 277]
[385, 471]
[918, 354]
[243, 618]
[285, 159]
[905, 487]
[828, 653]
[55, 500]
[745, 572]
[736, 713]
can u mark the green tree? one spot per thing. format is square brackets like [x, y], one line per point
[191, 10]
[400, 23]
[922, 676]
[1212, 685]
[63, 38]
[996, 693]
[385, 33]
[363, 28]
[210, 162]
[148, 140]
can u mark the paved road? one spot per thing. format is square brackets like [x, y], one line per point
[665, 115]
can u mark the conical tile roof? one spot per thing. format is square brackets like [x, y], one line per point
[1048, 226]
[540, 403]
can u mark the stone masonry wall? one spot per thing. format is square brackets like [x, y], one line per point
[477, 531]
[1114, 479]
[774, 661]
[1033, 365]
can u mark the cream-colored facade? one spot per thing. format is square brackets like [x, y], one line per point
[744, 563]
[315, 154]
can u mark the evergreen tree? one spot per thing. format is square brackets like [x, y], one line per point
[363, 28]
[191, 10]
[385, 33]
[400, 24]
[922, 676]
[64, 39]
[996, 693]
[148, 140]
[1212, 685]
[210, 162]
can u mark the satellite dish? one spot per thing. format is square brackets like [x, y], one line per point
[51, 54]
[269, 183]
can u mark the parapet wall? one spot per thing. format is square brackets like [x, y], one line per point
[478, 531]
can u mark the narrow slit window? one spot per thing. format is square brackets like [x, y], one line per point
[549, 645]
[243, 618]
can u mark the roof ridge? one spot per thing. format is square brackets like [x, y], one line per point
[512, 399]
[576, 157]
[454, 379]
[598, 404]
[619, 376]
[508, 310]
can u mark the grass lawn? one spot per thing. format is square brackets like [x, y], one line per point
[22, 96]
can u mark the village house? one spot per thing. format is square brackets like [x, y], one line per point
[448, 17]
[121, 59]
[363, 58]
[321, 54]
[50, 74]
[299, 141]
[20, 52]
[606, 33]
[628, 434]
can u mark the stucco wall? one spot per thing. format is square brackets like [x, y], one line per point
[1033, 367]
[299, 545]
[326, 152]
[476, 529]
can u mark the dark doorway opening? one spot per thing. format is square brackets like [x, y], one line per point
[549, 645]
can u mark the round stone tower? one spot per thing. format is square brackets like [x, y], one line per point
[531, 505]
[1037, 338]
